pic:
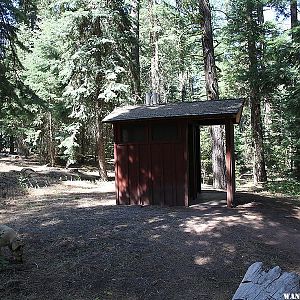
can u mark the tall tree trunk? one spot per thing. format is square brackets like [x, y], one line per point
[259, 170]
[100, 142]
[212, 92]
[51, 147]
[99, 105]
[155, 76]
[182, 75]
[11, 144]
[294, 15]
[135, 51]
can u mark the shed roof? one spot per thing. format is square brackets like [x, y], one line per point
[213, 110]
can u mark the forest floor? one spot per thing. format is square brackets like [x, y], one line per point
[80, 245]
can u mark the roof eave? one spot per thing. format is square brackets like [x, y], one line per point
[219, 119]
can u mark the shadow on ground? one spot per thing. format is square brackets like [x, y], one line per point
[79, 247]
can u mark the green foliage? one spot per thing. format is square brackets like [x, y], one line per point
[179, 43]
[276, 74]
[13, 92]
[65, 64]
[77, 60]
[205, 151]
[286, 187]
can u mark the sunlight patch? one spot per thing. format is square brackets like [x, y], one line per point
[200, 260]
[51, 222]
[155, 219]
[93, 203]
[155, 237]
[197, 227]
[229, 248]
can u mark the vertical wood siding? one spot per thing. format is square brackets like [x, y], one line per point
[153, 172]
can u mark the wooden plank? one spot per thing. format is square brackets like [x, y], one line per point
[180, 175]
[157, 174]
[122, 161]
[169, 180]
[116, 172]
[144, 175]
[230, 163]
[274, 284]
[191, 162]
[185, 163]
[133, 174]
[198, 159]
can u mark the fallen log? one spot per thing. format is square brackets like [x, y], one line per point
[274, 284]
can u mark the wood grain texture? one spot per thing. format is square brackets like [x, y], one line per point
[274, 284]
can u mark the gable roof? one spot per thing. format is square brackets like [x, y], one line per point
[214, 110]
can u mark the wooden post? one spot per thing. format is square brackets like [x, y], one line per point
[198, 159]
[230, 164]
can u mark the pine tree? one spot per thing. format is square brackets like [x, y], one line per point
[245, 32]
[212, 91]
[155, 69]
[135, 51]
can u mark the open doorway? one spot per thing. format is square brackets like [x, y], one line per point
[200, 168]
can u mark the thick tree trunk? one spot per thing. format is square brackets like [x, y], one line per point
[259, 170]
[212, 91]
[155, 76]
[135, 51]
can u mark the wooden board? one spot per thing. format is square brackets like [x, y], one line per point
[157, 175]
[122, 175]
[145, 184]
[153, 172]
[274, 284]
[133, 173]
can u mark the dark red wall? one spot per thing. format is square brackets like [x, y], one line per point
[152, 172]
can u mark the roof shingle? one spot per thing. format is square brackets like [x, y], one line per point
[201, 109]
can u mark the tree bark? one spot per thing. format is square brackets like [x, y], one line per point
[155, 76]
[182, 75]
[11, 144]
[294, 15]
[211, 79]
[212, 92]
[259, 170]
[135, 51]
[99, 105]
[100, 143]
[51, 147]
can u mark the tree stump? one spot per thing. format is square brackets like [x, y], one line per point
[274, 284]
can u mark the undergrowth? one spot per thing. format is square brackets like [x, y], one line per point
[289, 187]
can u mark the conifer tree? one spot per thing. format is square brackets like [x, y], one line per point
[212, 91]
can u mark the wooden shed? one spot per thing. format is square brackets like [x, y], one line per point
[157, 150]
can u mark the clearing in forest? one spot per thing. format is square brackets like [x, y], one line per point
[80, 245]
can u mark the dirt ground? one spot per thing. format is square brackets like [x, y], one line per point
[80, 245]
